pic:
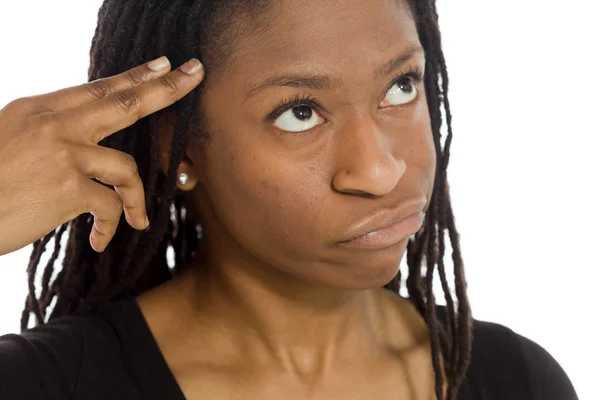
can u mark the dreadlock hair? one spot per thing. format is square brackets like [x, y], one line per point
[131, 32]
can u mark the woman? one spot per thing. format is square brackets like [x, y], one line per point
[287, 187]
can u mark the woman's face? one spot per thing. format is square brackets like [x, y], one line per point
[279, 187]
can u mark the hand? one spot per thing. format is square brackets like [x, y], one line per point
[49, 152]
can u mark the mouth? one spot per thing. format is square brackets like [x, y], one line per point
[388, 236]
[388, 227]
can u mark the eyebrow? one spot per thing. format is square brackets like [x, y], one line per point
[322, 82]
[398, 61]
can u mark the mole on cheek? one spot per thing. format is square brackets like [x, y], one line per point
[269, 188]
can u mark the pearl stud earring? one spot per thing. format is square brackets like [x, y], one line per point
[183, 178]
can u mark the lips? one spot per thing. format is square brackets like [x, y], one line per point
[385, 218]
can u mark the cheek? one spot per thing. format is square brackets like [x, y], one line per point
[423, 149]
[423, 154]
[419, 148]
[263, 200]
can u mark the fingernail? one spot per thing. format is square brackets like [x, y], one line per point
[159, 64]
[191, 67]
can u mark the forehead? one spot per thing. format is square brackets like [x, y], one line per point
[323, 36]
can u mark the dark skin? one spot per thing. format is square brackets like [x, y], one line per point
[277, 308]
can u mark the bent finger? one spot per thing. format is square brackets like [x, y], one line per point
[106, 206]
[120, 170]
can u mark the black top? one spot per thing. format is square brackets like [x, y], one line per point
[113, 355]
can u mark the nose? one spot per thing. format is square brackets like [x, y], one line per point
[365, 160]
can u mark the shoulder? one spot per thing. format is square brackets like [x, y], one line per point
[505, 364]
[49, 361]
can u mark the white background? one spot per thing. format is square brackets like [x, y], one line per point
[523, 171]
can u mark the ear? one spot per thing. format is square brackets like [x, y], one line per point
[166, 128]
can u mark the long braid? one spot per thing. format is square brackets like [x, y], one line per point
[49, 270]
[130, 33]
[464, 334]
[459, 356]
[31, 302]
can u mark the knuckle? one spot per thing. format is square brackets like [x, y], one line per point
[46, 124]
[19, 105]
[136, 76]
[62, 155]
[98, 89]
[170, 83]
[108, 207]
[128, 101]
[130, 164]
[116, 204]
[71, 184]
[100, 228]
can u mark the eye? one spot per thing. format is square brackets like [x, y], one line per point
[298, 119]
[402, 92]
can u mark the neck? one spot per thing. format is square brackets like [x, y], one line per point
[304, 328]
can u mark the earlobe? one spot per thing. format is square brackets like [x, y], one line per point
[186, 177]
[183, 178]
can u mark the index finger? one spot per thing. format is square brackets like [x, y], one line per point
[78, 95]
[122, 109]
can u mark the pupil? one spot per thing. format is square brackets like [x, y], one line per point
[302, 112]
[405, 86]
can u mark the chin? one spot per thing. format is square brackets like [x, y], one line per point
[364, 276]
[371, 270]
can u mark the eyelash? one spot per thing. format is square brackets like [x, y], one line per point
[415, 73]
[297, 100]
